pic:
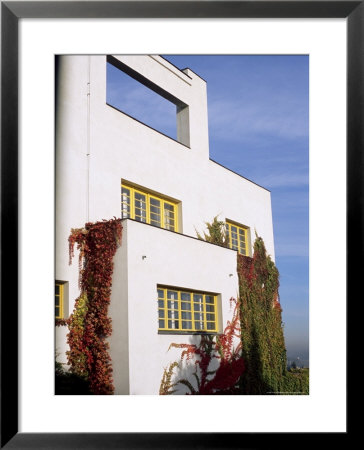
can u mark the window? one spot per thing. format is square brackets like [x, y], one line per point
[237, 236]
[185, 310]
[141, 205]
[59, 300]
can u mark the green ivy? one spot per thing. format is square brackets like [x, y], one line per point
[216, 233]
[263, 346]
[77, 353]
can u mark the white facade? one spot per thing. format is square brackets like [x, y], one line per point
[98, 146]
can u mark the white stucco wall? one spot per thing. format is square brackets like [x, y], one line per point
[173, 260]
[71, 165]
[96, 147]
[61, 345]
[88, 176]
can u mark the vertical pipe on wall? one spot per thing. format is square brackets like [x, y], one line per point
[88, 146]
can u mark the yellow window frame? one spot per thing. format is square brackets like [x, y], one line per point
[213, 323]
[243, 243]
[148, 197]
[60, 297]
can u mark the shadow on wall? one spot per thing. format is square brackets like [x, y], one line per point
[213, 366]
[188, 377]
[203, 370]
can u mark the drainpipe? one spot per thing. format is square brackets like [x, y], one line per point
[88, 150]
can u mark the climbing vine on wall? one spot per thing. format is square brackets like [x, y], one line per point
[263, 346]
[211, 350]
[89, 325]
[61, 322]
[216, 232]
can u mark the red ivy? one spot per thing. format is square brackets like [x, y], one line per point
[252, 269]
[89, 327]
[225, 379]
[61, 322]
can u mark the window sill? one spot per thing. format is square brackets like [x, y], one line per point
[190, 333]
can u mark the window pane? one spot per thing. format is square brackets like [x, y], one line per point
[57, 311]
[155, 212]
[186, 306]
[173, 324]
[155, 217]
[198, 306]
[57, 289]
[199, 316]
[125, 202]
[211, 326]
[172, 304]
[210, 308]
[172, 294]
[160, 293]
[209, 298]
[140, 215]
[169, 225]
[169, 216]
[140, 207]
[186, 325]
[185, 296]
[57, 300]
[161, 303]
[186, 315]
[154, 202]
[161, 323]
[161, 313]
[172, 314]
[210, 316]
[155, 220]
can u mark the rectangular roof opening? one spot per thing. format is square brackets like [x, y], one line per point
[131, 93]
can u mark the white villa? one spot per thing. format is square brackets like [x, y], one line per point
[108, 164]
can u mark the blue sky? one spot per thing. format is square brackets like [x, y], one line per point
[258, 127]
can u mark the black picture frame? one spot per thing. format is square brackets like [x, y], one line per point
[11, 12]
